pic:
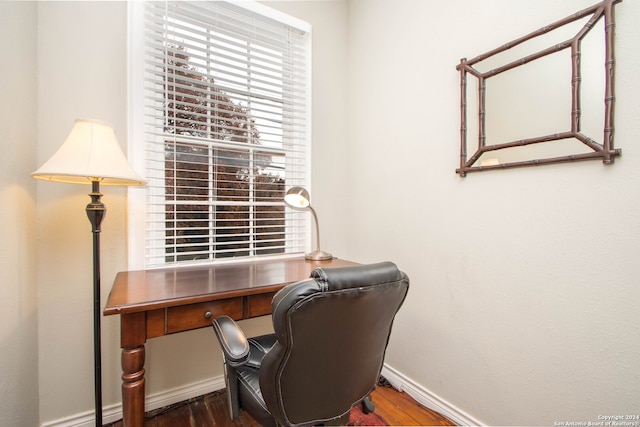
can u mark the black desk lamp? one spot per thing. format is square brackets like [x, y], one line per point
[91, 155]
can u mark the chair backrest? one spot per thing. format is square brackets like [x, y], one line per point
[332, 333]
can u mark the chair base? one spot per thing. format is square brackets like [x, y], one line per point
[367, 405]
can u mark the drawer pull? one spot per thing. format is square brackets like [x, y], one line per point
[207, 315]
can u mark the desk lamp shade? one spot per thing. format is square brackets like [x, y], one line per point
[90, 153]
[298, 198]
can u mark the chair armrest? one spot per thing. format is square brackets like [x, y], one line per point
[232, 340]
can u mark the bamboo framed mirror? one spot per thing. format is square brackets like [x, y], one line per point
[547, 97]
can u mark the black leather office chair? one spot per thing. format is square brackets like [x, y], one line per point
[331, 333]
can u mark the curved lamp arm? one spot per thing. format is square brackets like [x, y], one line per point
[318, 254]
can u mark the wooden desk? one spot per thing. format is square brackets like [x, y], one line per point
[152, 303]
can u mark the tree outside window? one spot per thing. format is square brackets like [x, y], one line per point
[223, 192]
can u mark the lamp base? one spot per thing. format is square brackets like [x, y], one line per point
[318, 256]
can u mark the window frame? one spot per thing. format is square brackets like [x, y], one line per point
[137, 197]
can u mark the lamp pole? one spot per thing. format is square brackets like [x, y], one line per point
[317, 255]
[96, 211]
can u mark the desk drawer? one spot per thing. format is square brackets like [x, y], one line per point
[259, 305]
[192, 316]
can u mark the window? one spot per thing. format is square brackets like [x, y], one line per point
[221, 126]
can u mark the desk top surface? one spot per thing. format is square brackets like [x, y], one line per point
[142, 290]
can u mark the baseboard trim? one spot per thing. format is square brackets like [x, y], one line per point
[113, 413]
[403, 383]
[427, 398]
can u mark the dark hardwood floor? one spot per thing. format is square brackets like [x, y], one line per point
[400, 409]
[397, 408]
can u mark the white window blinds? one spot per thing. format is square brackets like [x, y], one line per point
[226, 131]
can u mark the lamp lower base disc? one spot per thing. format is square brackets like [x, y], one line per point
[318, 256]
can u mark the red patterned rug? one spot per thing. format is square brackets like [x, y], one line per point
[359, 418]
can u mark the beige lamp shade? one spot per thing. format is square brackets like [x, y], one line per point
[90, 153]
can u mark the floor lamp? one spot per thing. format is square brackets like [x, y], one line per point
[91, 155]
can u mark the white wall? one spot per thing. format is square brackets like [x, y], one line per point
[523, 308]
[18, 309]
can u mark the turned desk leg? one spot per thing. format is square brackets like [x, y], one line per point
[132, 338]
